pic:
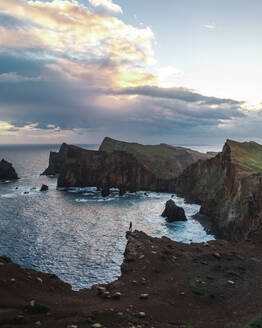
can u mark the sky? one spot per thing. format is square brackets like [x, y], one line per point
[180, 72]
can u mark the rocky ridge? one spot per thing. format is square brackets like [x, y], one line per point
[144, 168]
[228, 187]
[165, 161]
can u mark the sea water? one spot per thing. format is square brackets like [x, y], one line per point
[76, 233]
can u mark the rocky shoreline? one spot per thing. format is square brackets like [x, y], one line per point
[163, 284]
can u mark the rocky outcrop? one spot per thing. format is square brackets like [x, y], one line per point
[7, 172]
[108, 170]
[173, 213]
[228, 187]
[127, 166]
[44, 187]
[58, 159]
[165, 161]
[163, 284]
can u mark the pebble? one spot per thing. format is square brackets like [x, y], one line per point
[116, 296]
[97, 325]
[142, 314]
[217, 255]
[32, 303]
[39, 279]
[106, 294]
[1, 264]
[144, 296]
[12, 280]
[38, 323]
[72, 326]
[231, 282]
[141, 257]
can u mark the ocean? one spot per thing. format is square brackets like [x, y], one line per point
[75, 233]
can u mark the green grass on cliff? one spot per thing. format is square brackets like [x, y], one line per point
[247, 154]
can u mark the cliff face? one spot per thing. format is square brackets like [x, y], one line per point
[57, 160]
[121, 165]
[165, 161]
[107, 170]
[228, 187]
[7, 172]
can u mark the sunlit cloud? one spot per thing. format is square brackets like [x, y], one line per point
[106, 4]
[83, 72]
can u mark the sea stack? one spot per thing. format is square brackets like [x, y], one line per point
[7, 172]
[173, 212]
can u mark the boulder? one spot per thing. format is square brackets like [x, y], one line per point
[7, 172]
[44, 187]
[173, 212]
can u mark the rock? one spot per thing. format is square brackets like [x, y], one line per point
[101, 290]
[217, 255]
[44, 187]
[106, 294]
[144, 296]
[37, 308]
[7, 172]
[116, 296]
[122, 190]
[72, 326]
[127, 166]
[229, 189]
[142, 314]
[105, 192]
[173, 212]
[97, 325]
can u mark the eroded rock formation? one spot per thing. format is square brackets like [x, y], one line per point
[228, 187]
[165, 161]
[127, 166]
[173, 213]
[7, 172]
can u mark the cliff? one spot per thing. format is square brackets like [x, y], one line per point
[228, 187]
[7, 172]
[107, 170]
[58, 159]
[163, 284]
[126, 166]
[165, 161]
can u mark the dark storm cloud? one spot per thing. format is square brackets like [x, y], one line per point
[174, 93]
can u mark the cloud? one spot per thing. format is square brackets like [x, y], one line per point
[15, 78]
[68, 73]
[210, 26]
[106, 4]
[178, 93]
[69, 27]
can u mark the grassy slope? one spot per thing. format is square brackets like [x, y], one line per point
[247, 154]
